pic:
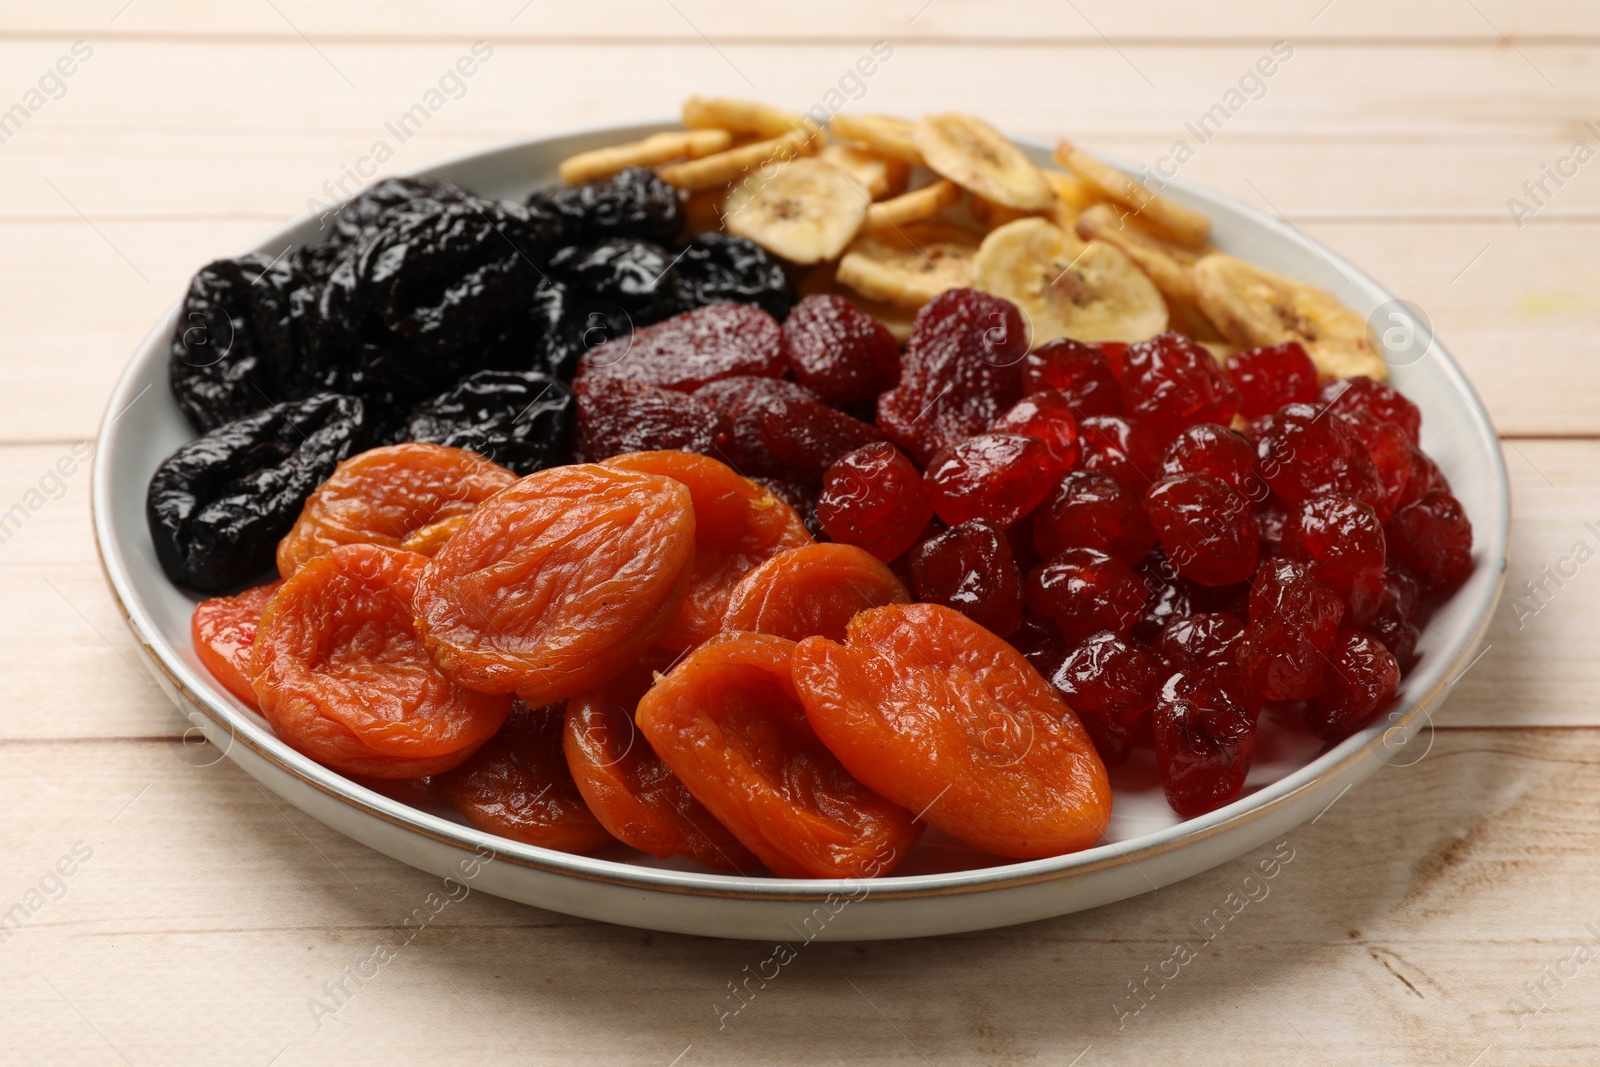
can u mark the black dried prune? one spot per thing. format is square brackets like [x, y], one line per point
[519, 419]
[636, 276]
[237, 343]
[360, 218]
[634, 204]
[548, 339]
[218, 506]
[717, 268]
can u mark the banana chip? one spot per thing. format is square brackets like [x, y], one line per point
[879, 175]
[1066, 288]
[1169, 265]
[658, 148]
[721, 168]
[910, 266]
[992, 216]
[1185, 226]
[914, 206]
[976, 156]
[885, 135]
[741, 116]
[806, 212]
[1253, 307]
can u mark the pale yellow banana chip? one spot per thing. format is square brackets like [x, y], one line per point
[1066, 288]
[992, 216]
[918, 204]
[721, 168]
[910, 266]
[885, 135]
[806, 211]
[976, 156]
[652, 151]
[879, 175]
[742, 116]
[1185, 226]
[1169, 265]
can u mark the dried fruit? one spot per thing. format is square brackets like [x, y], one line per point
[846, 357]
[1392, 457]
[1112, 684]
[688, 351]
[719, 268]
[779, 429]
[1088, 509]
[631, 417]
[1220, 453]
[1293, 622]
[1171, 383]
[969, 568]
[976, 156]
[1122, 448]
[816, 589]
[522, 420]
[635, 203]
[1206, 529]
[1082, 590]
[873, 498]
[1362, 677]
[1433, 537]
[1384, 403]
[1049, 418]
[1078, 372]
[621, 275]
[1204, 743]
[1208, 642]
[360, 218]
[1343, 541]
[223, 630]
[803, 210]
[996, 476]
[1302, 454]
[1271, 376]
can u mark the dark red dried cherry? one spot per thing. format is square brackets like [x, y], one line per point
[969, 568]
[1268, 378]
[1206, 529]
[1090, 510]
[873, 498]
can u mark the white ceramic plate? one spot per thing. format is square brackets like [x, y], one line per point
[939, 889]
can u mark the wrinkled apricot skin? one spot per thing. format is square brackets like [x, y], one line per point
[384, 495]
[627, 786]
[559, 582]
[726, 720]
[738, 524]
[342, 676]
[434, 536]
[942, 717]
[518, 786]
[814, 590]
[224, 633]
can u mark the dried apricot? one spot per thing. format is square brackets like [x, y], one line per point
[727, 721]
[343, 677]
[434, 536]
[737, 525]
[559, 582]
[385, 495]
[941, 716]
[518, 786]
[224, 631]
[812, 590]
[629, 788]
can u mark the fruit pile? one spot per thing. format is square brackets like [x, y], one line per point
[635, 523]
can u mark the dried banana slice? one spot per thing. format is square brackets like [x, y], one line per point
[879, 175]
[1169, 265]
[1185, 226]
[721, 168]
[881, 133]
[976, 156]
[914, 206]
[807, 211]
[652, 151]
[741, 116]
[1252, 307]
[910, 266]
[992, 216]
[1066, 288]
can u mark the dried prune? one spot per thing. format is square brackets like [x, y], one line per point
[359, 219]
[844, 355]
[690, 350]
[720, 268]
[218, 506]
[522, 420]
[636, 276]
[635, 203]
[632, 417]
[551, 334]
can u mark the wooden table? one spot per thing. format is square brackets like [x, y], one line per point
[1446, 912]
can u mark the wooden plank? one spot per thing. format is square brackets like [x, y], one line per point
[1427, 896]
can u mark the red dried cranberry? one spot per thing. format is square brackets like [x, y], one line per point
[1204, 743]
[1220, 453]
[1381, 401]
[873, 498]
[1047, 417]
[1090, 510]
[1303, 454]
[1362, 678]
[996, 476]
[623, 417]
[1082, 591]
[1121, 448]
[1343, 541]
[842, 354]
[962, 368]
[1172, 383]
[690, 350]
[1391, 454]
[1433, 537]
[1112, 684]
[1206, 529]
[1039, 644]
[1207, 642]
[1078, 373]
[1293, 621]
[969, 568]
[1268, 378]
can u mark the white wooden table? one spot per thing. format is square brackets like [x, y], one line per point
[1446, 912]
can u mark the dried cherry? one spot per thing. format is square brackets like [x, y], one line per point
[1433, 537]
[1049, 418]
[1362, 677]
[1220, 453]
[1170, 382]
[1384, 403]
[873, 498]
[1205, 741]
[1304, 454]
[969, 568]
[1293, 622]
[1343, 541]
[996, 476]
[1082, 590]
[1121, 448]
[1088, 509]
[1206, 529]
[1270, 377]
[1112, 683]
[1078, 373]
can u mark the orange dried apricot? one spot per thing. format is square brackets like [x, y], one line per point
[224, 630]
[938, 714]
[628, 787]
[384, 495]
[738, 524]
[343, 677]
[811, 591]
[559, 582]
[518, 786]
[727, 721]
[434, 536]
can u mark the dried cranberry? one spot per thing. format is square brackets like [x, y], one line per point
[1303, 454]
[1206, 529]
[1391, 455]
[961, 370]
[1208, 642]
[1112, 684]
[1204, 743]
[842, 354]
[1076, 372]
[969, 568]
[623, 417]
[1082, 591]
[1172, 383]
[1343, 541]
[690, 350]
[1293, 621]
[1268, 378]
[873, 498]
[1122, 448]
[1383, 402]
[1047, 417]
[996, 476]
[1039, 644]
[1362, 678]
[1090, 510]
[1433, 537]
[1221, 453]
